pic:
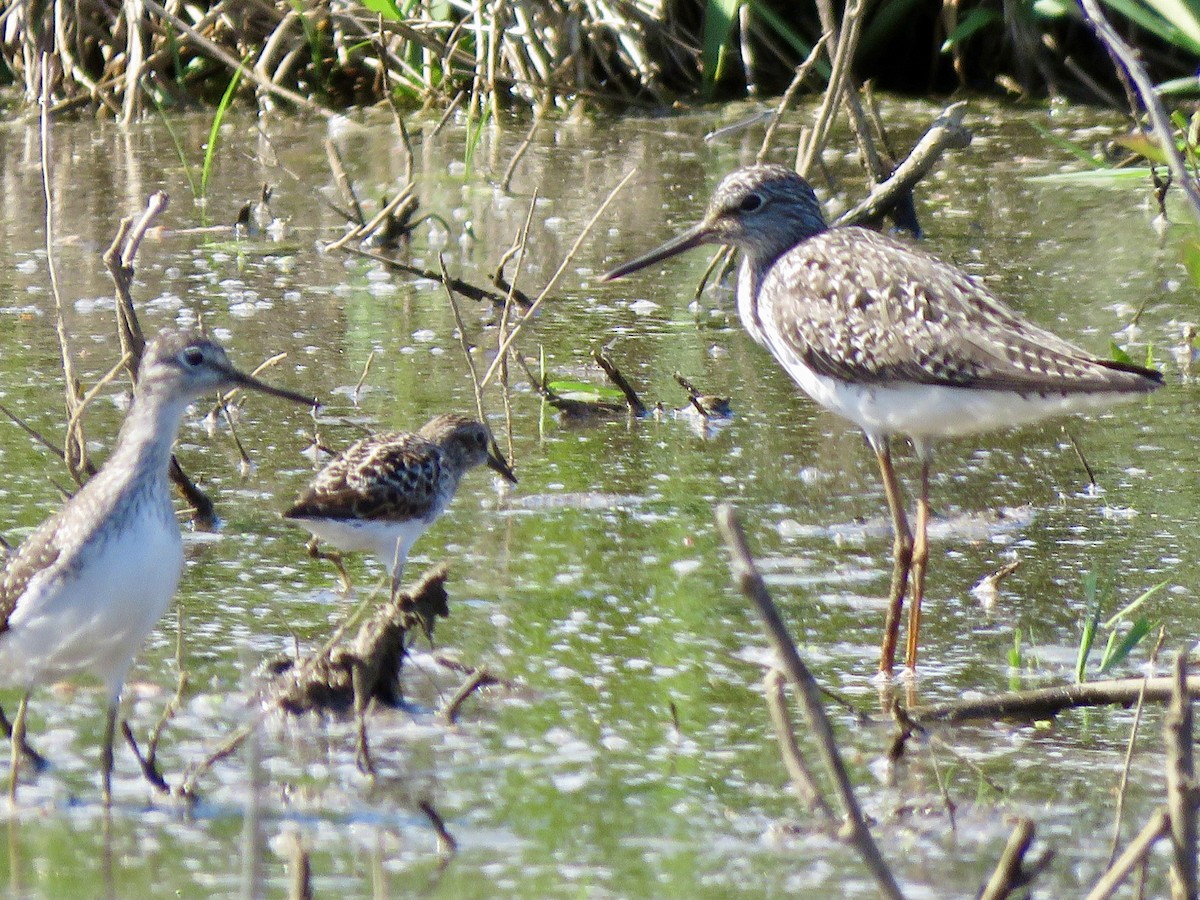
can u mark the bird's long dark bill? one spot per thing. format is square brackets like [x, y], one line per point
[497, 463]
[693, 237]
[249, 382]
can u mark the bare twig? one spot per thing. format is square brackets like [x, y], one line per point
[342, 180]
[750, 582]
[1135, 854]
[946, 133]
[1133, 733]
[632, 400]
[1044, 703]
[446, 842]
[462, 339]
[1181, 789]
[785, 102]
[1011, 873]
[480, 678]
[75, 453]
[533, 308]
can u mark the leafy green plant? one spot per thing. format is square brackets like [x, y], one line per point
[1118, 646]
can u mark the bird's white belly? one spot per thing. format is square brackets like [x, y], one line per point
[389, 541]
[94, 619]
[927, 412]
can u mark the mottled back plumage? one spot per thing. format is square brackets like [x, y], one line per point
[396, 475]
[863, 307]
[891, 338]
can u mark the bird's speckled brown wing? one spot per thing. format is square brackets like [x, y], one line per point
[386, 476]
[863, 307]
[38, 551]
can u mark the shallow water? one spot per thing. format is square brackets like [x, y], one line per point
[598, 587]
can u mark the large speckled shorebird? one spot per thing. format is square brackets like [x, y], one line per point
[86, 587]
[893, 339]
[381, 493]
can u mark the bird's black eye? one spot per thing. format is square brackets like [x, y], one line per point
[193, 356]
[750, 203]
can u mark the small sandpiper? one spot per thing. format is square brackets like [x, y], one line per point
[381, 493]
[84, 590]
[893, 339]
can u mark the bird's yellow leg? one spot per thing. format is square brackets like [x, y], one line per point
[920, 562]
[902, 552]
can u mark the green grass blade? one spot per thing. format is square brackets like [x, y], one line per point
[1090, 623]
[1116, 652]
[179, 151]
[1079, 152]
[1117, 354]
[1176, 33]
[719, 16]
[1134, 604]
[386, 8]
[976, 20]
[210, 151]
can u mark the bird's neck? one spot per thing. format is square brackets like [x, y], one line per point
[750, 276]
[148, 433]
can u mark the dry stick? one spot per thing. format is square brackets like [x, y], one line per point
[75, 453]
[462, 339]
[356, 394]
[1181, 790]
[480, 678]
[754, 589]
[33, 432]
[368, 228]
[1149, 97]
[785, 102]
[1136, 853]
[469, 291]
[632, 400]
[119, 259]
[529, 313]
[847, 37]
[1133, 733]
[446, 841]
[1010, 873]
[342, 180]
[518, 248]
[1042, 703]
[805, 784]
[946, 133]
[506, 181]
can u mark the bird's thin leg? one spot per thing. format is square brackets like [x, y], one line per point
[920, 560]
[315, 552]
[902, 548]
[18, 741]
[39, 762]
[106, 751]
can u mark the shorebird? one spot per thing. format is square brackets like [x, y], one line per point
[381, 493]
[86, 587]
[893, 339]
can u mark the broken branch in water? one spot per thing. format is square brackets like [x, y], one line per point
[1044, 703]
[632, 400]
[374, 658]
